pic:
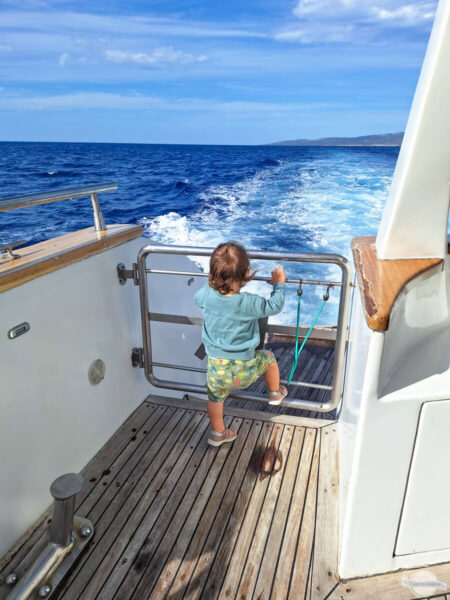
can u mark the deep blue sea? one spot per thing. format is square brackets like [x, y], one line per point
[306, 199]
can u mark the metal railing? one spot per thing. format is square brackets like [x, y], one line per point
[341, 332]
[91, 190]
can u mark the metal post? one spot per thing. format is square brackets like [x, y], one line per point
[45, 565]
[98, 216]
[64, 490]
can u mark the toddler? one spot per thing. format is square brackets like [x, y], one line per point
[231, 333]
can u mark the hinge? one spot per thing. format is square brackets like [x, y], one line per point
[123, 274]
[137, 357]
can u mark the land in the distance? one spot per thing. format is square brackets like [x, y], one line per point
[383, 139]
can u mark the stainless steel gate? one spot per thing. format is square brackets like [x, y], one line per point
[341, 333]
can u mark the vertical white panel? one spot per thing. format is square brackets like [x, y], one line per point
[425, 521]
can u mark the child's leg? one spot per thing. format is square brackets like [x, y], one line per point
[272, 377]
[215, 414]
[218, 434]
[277, 392]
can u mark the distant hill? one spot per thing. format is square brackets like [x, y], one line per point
[383, 139]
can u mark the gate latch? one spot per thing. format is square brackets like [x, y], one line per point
[123, 274]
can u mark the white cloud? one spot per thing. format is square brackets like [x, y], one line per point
[369, 10]
[112, 101]
[5, 48]
[406, 14]
[63, 59]
[159, 56]
[121, 25]
[355, 20]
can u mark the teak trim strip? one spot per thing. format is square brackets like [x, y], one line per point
[381, 281]
[56, 253]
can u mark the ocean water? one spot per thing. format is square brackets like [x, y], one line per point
[304, 199]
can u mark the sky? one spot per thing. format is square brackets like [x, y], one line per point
[208, 71]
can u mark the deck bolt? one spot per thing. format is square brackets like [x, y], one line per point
[85, 531]
[11, 579]
[44, 591]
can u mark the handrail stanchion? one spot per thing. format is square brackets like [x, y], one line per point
[91, 190]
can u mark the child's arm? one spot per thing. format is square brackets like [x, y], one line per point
[199, 296]
[262, 307]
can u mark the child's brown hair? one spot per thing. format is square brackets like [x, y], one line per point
[229, 264]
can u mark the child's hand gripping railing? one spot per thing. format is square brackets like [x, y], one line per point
[144, 356]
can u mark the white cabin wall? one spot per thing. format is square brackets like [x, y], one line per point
[417, 341]
[414, 222]
[53, 420]
[407, 368]
[357, 350]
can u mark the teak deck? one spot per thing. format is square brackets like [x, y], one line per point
[176, 518]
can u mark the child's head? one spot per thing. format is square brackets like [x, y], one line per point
[229, 268]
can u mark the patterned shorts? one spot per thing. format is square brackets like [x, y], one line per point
[224, 376]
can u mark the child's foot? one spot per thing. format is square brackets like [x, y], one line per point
[277, 397]
[217, 439]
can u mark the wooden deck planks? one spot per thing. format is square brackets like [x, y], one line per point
[255, 553]
[120, 445]
[325, 572]
[146, 503]
[221, 539]
[176, 518]
[277, 530]
[189, 545]
[233, 570]
[286, 559]
[109, 513]
[159, 575]
[300, 570]
[143, 542]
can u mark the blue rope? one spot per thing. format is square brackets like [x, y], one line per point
[297, 351]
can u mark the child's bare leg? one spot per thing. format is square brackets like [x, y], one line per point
[218, 434]
[215, 414]
[272, 377]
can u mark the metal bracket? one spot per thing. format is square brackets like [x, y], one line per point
[7, 248]
[41, 571]
[137, 357]
[123, 274]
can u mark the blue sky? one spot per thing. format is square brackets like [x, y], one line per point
[191, 71]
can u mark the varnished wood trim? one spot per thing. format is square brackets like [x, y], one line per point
[56, 253]
[197, 404]
[381, 281]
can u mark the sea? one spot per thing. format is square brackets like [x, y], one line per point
[274, 198]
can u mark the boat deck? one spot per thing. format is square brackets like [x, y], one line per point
[176, 518]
